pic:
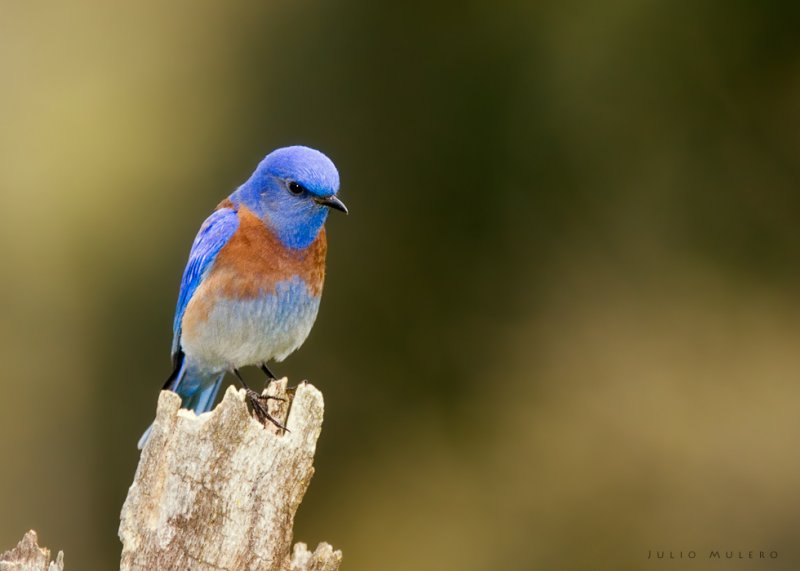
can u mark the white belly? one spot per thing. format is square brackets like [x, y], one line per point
[239, 333]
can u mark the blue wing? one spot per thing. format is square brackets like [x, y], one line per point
[213, 235]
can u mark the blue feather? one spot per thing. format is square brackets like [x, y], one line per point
[197, 388]
[212, 237]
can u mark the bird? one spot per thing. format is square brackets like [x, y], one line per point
[251, 288]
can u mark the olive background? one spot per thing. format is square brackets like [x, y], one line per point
[561, 324]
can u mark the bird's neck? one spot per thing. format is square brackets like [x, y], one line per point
[296, 233]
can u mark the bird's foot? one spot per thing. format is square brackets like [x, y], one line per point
[259, 403]
[251, 394]
[260, 409]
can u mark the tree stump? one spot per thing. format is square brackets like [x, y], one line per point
[219, 491]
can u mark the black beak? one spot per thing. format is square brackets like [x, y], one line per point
[331, 201]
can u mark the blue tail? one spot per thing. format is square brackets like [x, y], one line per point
[197, 389]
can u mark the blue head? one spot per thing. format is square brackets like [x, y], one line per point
[292, 190]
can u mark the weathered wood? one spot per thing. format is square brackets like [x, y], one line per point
[28, 556]
[219, 491]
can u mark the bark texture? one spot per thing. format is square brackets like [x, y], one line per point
[219, 491]
[28, 556]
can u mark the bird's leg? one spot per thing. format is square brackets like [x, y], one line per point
[251, 394]
[258, 402]
[270, 375]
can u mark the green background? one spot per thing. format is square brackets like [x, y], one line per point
[561, 325]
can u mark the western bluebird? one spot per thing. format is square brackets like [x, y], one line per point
[251, 289]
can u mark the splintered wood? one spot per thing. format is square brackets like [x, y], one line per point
[28, 556]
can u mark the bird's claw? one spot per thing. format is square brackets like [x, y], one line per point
[254, 395]
[258, 402]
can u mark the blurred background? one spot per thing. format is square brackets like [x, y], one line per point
[561, 326]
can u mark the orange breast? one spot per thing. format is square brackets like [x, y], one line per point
[250, 265]
[254, 260]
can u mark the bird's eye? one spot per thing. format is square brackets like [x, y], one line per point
[295, 187]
